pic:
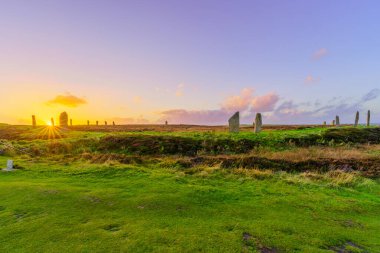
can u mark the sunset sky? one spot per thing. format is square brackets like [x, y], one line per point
[194, 62]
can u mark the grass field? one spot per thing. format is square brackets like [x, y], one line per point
[190, 189]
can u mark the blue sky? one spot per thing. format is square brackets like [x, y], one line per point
[189, 61]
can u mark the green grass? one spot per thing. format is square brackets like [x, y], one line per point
[73, 194]
[52, 206]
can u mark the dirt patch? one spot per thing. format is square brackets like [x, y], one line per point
[348, 247]
[112, 227]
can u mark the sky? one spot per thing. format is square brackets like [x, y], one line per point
[189, 61]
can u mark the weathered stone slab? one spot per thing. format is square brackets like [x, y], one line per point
[64, 119]
[234, 123]
[258, 123]
[368, 118]
[337, 121]
[34, 122]
[356, 119]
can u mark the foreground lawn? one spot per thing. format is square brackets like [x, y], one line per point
[80, 207]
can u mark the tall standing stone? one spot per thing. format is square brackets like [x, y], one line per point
[34, 123]
[258, 123]
[324, 123]
[337, 121]
[113, 123]
[356, 119]
[234, 123]
[64, 119]
[71, 122]
[88, 122]
[368, 118]
[97, 123]
[105, 123]
[52, 121]
[333, 123]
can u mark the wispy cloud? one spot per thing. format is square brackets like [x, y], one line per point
[180, 90]
[137, 100]
[311, 79]
[265, 103]
[68, 100]
[322, 52]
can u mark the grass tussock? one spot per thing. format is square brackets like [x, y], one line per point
[333, 178]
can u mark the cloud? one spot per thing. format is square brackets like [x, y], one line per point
[129, 120]
[68, 100]
[310, 79]
[238, 102]
[371, 95]
[265, 103]
[274, 110]
[246, 103]
[181, 116]
[320, 53]
[137, 100]
[290, 112]
[179, 91]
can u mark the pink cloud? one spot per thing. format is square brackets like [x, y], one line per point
[265, 103]
[320, 53]
[311, 79]
[246, 103]
[238, 102]
[180, 116]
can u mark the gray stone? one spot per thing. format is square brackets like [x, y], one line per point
[337, 120]
[356, 119]
[234, 123]
[9, 165]
[333, 123]
[34, 123]
[64, 119]
[258, 123]
[368, 118]
[324, 123]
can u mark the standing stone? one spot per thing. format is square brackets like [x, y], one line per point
[166, 123]
[9, 165]
[97, 123]
[234, 123]
[64, 119]
[113, 123]
[34, 123]
[368, 118]
[52, 121]
[337, 121]
[333, 123]
[356, 119]
[258, 123]
[105, 123]
[71, 122]
[324, 123]
[88, 122]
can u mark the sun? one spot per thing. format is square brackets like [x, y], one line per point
[48, 123]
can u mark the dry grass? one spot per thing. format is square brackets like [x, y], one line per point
[333, 178]
[361, 152]
[254, 173]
